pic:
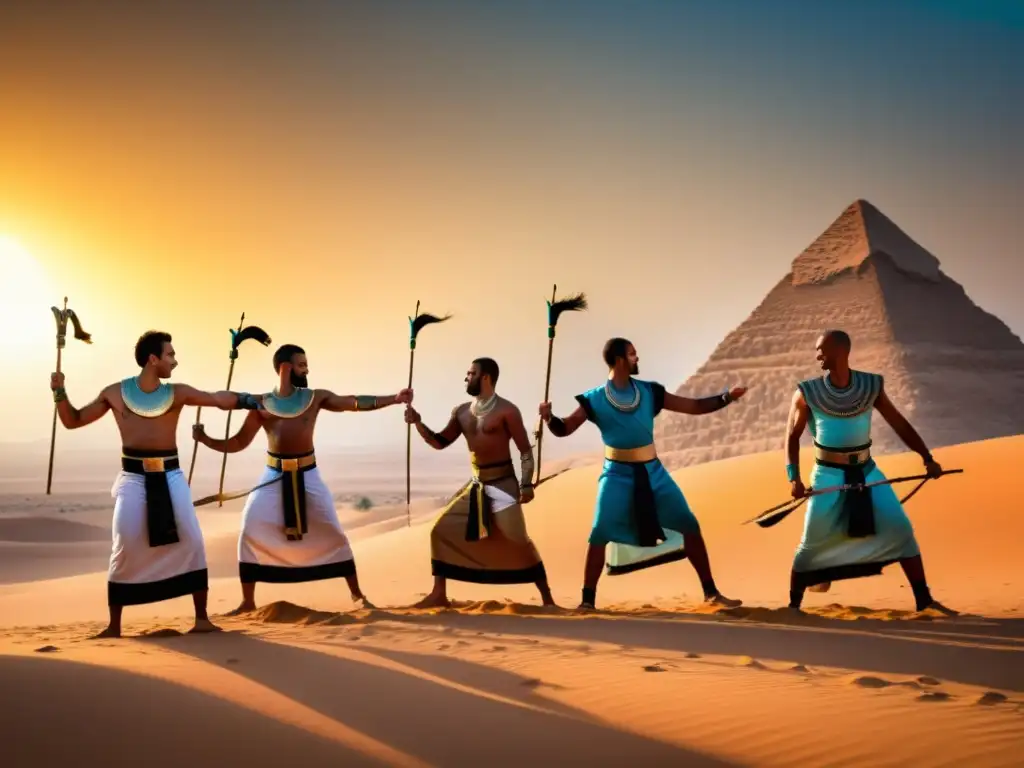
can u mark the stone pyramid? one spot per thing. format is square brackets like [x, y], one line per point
[953, 369]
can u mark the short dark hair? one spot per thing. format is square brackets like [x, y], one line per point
[488, 367]
[285, 353]
[842, 338]
[150, 343]
[614, 349]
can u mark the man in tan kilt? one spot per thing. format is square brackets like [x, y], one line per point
[481, 536]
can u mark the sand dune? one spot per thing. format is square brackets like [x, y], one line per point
[653, 678]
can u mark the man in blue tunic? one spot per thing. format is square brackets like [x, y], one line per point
[851, 533]
[638, 502]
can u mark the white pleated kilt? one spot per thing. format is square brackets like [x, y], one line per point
[140, 573]
[266, 554]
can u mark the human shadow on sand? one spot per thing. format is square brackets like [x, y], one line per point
[61, 712]
[438, 721]
[953, 652]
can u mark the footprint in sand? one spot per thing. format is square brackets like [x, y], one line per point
[928, 681]
[158, 633]
[462, 642]
[692, 655]
[47, 649]
[443, 647]
[800, 668]
[934, 696]
[499, 648]
[746, 661]
[989, 698]
[654, 668]
[866, 681]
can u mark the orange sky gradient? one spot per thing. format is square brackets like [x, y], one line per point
[172, 171]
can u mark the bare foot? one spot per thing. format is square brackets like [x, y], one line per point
[362, 603]
[203, 626]
[723, 601]
[823, 587]
[938, 607]
[108, 632]
[586, 607]
[434, 601]
[244, 607]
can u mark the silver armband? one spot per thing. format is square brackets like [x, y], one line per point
[526, 459]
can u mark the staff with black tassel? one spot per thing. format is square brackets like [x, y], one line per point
[62, 316]
[575, 303]
[237, 337]
[416, 324]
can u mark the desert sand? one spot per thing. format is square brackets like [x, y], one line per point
[652, 678]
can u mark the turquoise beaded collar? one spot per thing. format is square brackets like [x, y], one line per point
[821, 395]
[149, 405]
[295, 404]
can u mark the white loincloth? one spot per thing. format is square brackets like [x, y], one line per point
[140, 573]
[626, 558]
[499, 499]
[266, 554]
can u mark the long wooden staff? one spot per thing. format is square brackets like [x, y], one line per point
[62, 316]
[199, 411]
[237, 337]
[575, 303]
[416, 323]
[779, 512]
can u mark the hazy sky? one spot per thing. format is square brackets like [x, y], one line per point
[321, 166]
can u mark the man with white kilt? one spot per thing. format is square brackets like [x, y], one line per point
[158, 551]
[290, 528]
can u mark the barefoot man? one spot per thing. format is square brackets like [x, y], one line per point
[638, 502]
[158, 550]
[481, 537]
[849, 534]
[290, 528]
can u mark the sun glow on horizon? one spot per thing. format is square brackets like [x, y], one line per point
[26, 295]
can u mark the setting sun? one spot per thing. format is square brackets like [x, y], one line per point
[26, 296]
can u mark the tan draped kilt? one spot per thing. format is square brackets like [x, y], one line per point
[481, 537]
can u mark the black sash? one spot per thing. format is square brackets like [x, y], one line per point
[293, 495]
[160, 521]
[480, 507]
[858, 507]
[645, 511]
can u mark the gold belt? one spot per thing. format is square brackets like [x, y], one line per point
[291, 465]
[639, 455]
[846, 458]
[152, 463]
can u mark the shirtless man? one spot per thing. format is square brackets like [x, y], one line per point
[481, 536]
[290, 528]
[158, 549]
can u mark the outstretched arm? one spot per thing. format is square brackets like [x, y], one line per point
[565, 427]
[901, 426]
[436, 440]
[241, 440]
[71, 417]
[795, 426]
[338, 403]
[516, 428]
[696, 406]
[225, 400]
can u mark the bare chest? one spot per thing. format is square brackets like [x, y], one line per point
[143, 431]
[485, 428]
